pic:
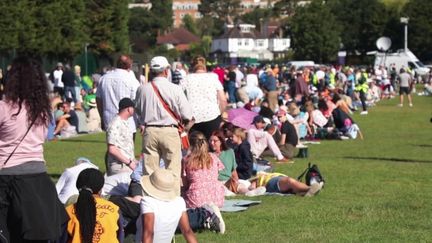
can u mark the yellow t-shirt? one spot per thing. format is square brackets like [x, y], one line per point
[262, 178]
[107, 216]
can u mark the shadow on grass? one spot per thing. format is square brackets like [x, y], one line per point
[55, 176]
[389, 159]
[422, 145]
[80, 141]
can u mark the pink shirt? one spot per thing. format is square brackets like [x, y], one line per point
[12, 130]
[203, 186]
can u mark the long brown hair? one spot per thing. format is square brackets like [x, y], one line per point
[199, 157]
[27, 85]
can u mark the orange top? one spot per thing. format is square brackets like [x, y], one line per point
[107, 216]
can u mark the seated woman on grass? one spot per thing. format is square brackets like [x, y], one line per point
[228, 176]
[200, 170]
[93, 218]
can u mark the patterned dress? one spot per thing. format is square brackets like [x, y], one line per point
[202, 185]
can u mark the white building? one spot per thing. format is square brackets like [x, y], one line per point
[242, 42]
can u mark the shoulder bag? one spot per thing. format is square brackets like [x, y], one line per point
[181, 130]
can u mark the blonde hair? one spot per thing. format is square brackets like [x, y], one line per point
[199, 63]
[199, 157]
[240, 132]
[293, 109]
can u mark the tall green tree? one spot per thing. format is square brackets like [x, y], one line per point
[225, 10]
[315, 33]
[419, 28]
[162, 14]
[285, 7]
[61, 29]
[363, 22]
[106, 21]
[190, 24]
[119, 22]
[201, 48]
[44, 28]
[257, 16]
[141, 31]
[16, 25]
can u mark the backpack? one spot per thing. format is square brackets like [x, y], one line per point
[312, 174]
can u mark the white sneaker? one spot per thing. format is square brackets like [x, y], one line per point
[228, 193]
[215, 222]
[314, 189]
[400, 105]
[301, 145]
[256, 192]
[410, 105]
[364, 113]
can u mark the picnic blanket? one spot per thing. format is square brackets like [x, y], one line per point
[237, 205]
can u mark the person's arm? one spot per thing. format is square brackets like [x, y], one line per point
[61, 182]
[100, 108]
[186, 229]
[282, 140]
[148, 227]
[221, 100]
[120, 231]
[114, 151]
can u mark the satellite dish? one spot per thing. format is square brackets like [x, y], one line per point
[383, 43]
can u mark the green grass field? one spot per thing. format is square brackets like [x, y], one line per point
[377, 190]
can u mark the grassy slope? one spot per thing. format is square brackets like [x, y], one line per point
[378, 189]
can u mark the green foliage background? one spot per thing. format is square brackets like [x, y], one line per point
[59, 30]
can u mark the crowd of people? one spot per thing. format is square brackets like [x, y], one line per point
[179, 182]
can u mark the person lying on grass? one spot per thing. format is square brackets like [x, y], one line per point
[280, 183]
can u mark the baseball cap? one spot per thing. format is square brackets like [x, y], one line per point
[125, 103]
[159, 63]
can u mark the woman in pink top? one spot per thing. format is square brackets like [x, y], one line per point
[200, 174]
[29, 207]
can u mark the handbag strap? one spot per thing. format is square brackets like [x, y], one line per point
[13, 151]
[166, 106]
[300, 177]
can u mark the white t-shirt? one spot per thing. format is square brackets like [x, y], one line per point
[58, 78]
[201, 90]
[116, 185]
[66, 184]
[318, 118]
[167, 216]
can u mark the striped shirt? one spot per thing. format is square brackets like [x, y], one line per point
[113, 87]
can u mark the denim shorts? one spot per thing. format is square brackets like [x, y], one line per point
[273, 184]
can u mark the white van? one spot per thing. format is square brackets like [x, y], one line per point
[299, 64]
[401, 59]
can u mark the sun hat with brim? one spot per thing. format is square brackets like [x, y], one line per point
[160, 185]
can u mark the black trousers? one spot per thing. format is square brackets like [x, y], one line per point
[30, 210]
[207, 127]
[363, 99]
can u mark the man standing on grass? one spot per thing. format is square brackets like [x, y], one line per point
[160, 132]
[120, 141]
[405, 85]
[113, 87]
